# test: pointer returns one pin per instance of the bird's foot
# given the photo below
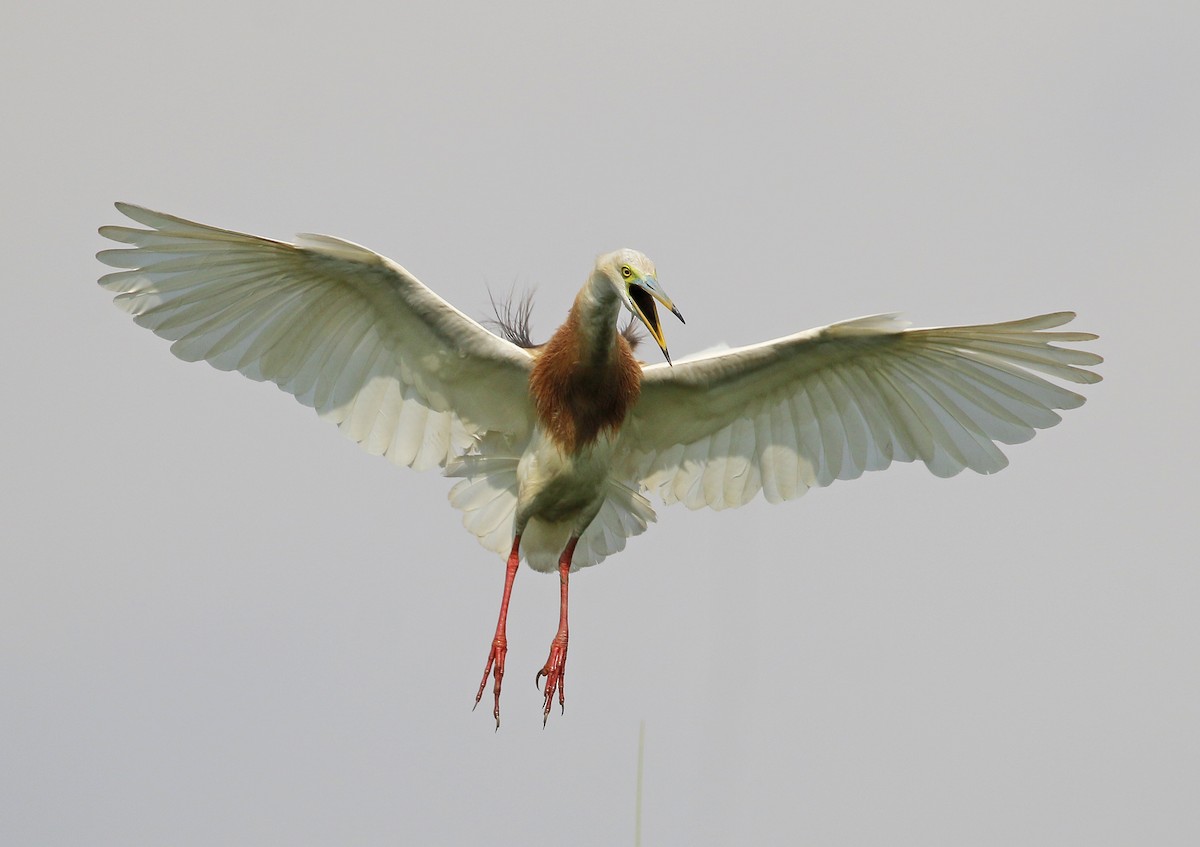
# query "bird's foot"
(495, 667)
(554, 670)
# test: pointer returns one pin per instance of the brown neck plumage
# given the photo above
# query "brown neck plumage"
(582, 387)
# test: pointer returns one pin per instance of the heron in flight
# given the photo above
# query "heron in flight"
(555, 447)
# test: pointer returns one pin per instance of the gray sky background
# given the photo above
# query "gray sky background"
(223, 623)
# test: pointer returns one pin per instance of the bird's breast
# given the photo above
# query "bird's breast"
(579, 395)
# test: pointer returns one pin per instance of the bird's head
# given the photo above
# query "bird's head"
(633, 277)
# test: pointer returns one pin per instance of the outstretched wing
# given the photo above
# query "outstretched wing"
(347, 331)
(833, 402)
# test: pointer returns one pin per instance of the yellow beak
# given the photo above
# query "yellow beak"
(642, 294)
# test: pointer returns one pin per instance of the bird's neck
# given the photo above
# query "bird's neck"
(586, 378)
(594, 316)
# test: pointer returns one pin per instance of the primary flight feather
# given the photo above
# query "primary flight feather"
(555, 445)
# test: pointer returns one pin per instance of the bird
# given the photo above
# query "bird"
(556, 448)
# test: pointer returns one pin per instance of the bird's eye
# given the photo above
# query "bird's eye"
(626, 272)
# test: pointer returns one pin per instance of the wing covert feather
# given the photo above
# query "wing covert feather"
(344, 329)
(833, 402)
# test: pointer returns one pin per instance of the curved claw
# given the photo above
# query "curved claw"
(555, 671)
(494, 667)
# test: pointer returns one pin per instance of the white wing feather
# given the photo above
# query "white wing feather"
(347, 331)
(830, 403)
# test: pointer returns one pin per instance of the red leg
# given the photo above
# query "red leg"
(495, 660)
(556, 665)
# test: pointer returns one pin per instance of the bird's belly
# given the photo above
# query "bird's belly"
(558, 487)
